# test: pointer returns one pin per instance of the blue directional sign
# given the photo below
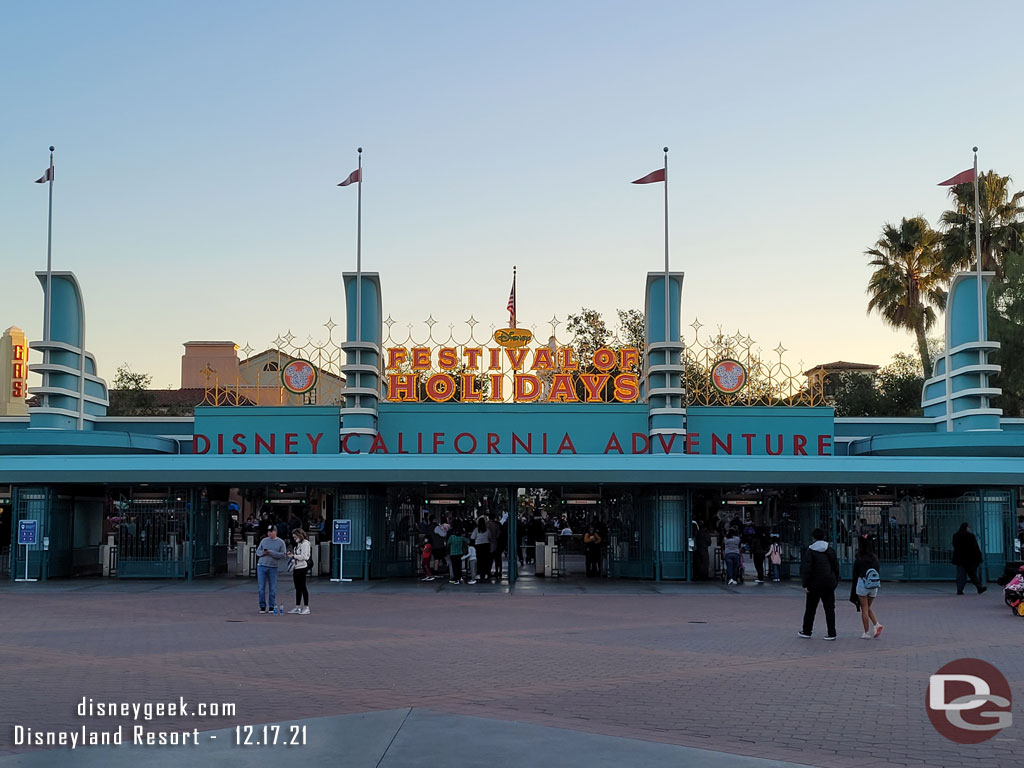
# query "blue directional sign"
(28, 531)
(342, 531)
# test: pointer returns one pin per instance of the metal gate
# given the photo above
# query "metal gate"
(198, 551)
(51, 557)
(393, 532)
(153, 536)
(672, 545)
(359, 508)
(913, 536)
(631, 536)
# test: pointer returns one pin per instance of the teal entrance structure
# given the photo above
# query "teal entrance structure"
(652, 444)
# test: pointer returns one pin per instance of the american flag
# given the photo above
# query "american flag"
(512, 302)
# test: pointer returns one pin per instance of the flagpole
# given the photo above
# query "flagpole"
(668, 323)
(359, 255)
(514, 313)
(49, 267)
(977, 248)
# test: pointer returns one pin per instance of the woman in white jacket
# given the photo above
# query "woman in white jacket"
(302, 558)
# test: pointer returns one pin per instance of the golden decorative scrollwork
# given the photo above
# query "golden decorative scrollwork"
(770, 381)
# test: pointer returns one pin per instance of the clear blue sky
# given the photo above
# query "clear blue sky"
(198, 145)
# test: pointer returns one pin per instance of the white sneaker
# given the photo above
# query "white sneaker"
(867, 636)
(471, 581)
(305, 611)
(731, 582)
(759, 581)
(296, 609)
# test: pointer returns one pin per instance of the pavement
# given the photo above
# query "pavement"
(570, 673)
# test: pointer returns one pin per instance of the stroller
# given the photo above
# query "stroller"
(1013, 593)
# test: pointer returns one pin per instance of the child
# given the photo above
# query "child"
(469, 561)
(427, 554)
(775, 558)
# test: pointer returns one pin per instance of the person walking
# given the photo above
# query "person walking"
(775, 558)
(271, 551)
(592, 550)
(457, 544)
(819, 572)
(864, 589)
(302, 557)
(731, 553)
(494, 535)
(966, 557)
(482, 542)
(426, 549)
(757, 549)
(469, 563)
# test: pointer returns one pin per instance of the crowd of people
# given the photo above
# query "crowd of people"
(473, 548)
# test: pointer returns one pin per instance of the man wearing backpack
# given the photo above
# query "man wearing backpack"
(819, 572)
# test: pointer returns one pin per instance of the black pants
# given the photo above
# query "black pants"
(456, 561)
(593, 561)
(827, 597)
(758, 558)
(496, 560)
(963, 574)
(301, 593)
(483, 560)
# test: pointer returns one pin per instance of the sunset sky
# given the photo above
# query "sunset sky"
(199, 145)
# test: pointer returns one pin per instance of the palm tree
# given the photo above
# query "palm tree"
(1002, 224)
(906, 286)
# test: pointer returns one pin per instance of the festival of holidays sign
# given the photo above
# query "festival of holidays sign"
(540, 374)
(248, 430)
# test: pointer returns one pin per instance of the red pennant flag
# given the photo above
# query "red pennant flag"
(650, 178)
(964, 177)
(353, 177)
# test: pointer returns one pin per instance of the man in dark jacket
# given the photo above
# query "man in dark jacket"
(819, 572)
(966, 557)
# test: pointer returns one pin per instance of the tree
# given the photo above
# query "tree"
(894, 390)
(900, 384)
(1006, 325)
(590, 333)
(906, 286)
(130, 395)
(1002, 225)
(854, 394)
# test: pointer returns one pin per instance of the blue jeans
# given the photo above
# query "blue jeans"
(775, 571)
(266, 576)
(732, 566)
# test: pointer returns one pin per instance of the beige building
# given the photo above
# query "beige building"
(214, 367)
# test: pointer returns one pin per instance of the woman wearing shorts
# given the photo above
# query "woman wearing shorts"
(866, 560)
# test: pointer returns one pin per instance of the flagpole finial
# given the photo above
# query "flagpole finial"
(359, 150)
(666, 149)
(975, 149)
(51, 149)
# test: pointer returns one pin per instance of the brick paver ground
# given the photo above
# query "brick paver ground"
(705, 667)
